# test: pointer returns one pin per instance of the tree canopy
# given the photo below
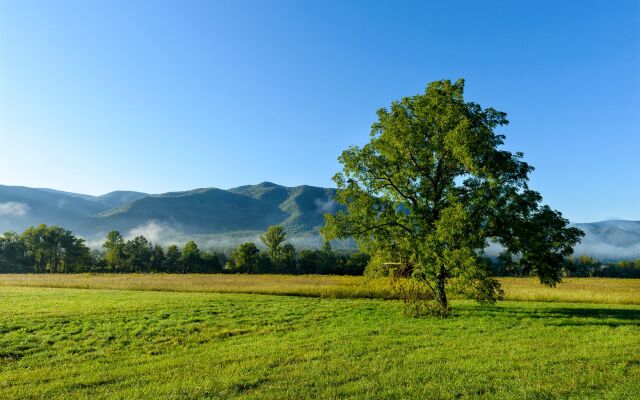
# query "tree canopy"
(273, 238)
(432, 189)
(246, 258)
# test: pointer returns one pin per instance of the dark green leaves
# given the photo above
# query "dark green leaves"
(432, 187)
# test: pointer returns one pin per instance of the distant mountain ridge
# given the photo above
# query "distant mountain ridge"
(612, 239)
(239, 213)
(200, 211)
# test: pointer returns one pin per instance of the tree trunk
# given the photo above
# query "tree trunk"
(441, 292)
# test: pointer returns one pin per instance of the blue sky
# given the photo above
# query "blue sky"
(160, 96)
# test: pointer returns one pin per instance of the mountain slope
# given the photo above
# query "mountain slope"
(21, 207)
(304, 205)
(239, 213)
(196, 211)
(201, 211)
(119, 198)
(610, 239)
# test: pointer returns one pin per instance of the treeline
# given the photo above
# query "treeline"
(579, 267)
(43, 249)
(585, 266)
(582, 266)
(52, 249)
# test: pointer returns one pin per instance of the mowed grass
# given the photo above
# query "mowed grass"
(584, 290)
(58, 343)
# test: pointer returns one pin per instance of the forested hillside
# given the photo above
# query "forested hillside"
(223, 218)
(201, 211)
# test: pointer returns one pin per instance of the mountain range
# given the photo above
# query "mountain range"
(219, 218)
(212, 215)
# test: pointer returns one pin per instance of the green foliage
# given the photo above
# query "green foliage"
(157, 259)
(273, 238)
(318, 261)
(114, 250)
(56, 250)
(356, 263)
(212, 262)
(432, 187)
(137, 254)
(287, 261)
(283, 257)
(52, 249)
(588, 266)
(621, 269)
(190, 258)
(13, 254)
(172, 259)
(582, 266)
(245, 259)
(379, 265)
(416, 295)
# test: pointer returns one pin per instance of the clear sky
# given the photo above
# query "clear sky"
(160, 96)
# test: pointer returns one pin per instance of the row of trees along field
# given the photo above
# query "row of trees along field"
(52, 249)
(585, 266)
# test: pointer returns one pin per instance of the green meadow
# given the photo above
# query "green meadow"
(68, 343)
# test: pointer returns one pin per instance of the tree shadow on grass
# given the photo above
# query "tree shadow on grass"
(562, 316)
(612, 317)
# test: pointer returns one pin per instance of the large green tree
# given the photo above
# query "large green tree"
(190, 258)
(283, 256)
(273, 238)
(114, 251)
(246, 258)
(172, 259)
(157, 259)
(138, 252)
(287, 259)
(432, 189)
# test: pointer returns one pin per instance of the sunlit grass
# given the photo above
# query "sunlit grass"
(296, 285)
(92, 344)
(589, 290)
(575, 290)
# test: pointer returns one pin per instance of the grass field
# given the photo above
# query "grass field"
(583, 290)
(59, 343)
